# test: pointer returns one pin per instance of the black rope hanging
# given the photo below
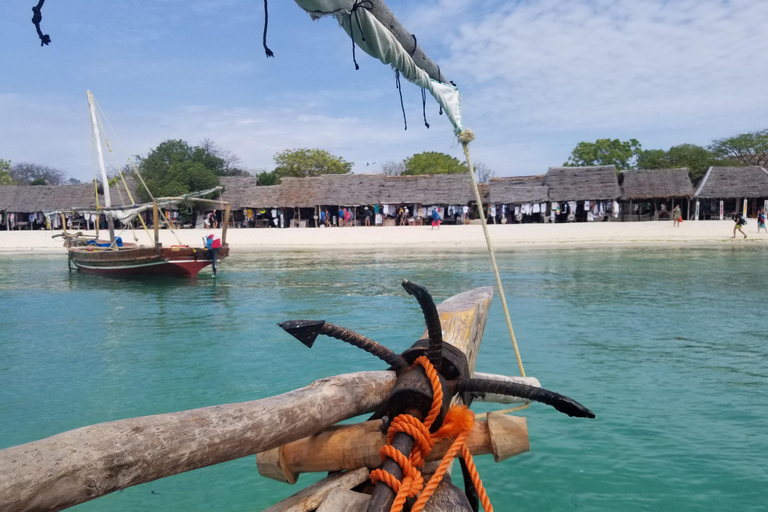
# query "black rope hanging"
(264, 38)
(400, 90)
(37, 17)
(367, 4)
(439, 76)
(423, 92)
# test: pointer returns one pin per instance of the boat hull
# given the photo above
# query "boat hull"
(180, 261)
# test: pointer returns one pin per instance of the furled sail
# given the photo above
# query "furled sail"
(376, 40)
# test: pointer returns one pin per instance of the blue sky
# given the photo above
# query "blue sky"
(536, 77)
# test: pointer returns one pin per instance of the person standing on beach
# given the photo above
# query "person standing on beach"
(677, 216)
(739, 220)
(348, 217)
(327, 219)
(435, 219)
(342, 216)
(761, 220)
(367, 216)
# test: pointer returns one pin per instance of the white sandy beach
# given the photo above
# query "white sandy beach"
(468, 237)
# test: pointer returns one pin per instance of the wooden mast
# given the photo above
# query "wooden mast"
(104, 180)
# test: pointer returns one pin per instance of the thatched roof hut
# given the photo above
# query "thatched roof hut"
(518, 190)
(655, 184)
(733, 183)
(298, 193)
(349, 189)
(449, 189)
(582, 183)
(238, 191)
(45, 198)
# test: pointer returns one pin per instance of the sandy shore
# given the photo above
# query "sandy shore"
(447, 237)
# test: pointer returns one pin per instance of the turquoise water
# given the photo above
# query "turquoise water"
(667, 346)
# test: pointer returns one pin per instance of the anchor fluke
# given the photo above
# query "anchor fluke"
(306, 331)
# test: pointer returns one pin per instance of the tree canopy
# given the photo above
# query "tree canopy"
(175, 168)
(622, 154)
(431, 162)
(5, 172)
(746, 149)
(302, 163)
(696, 158)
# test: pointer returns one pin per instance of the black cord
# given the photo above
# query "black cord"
(37, 17)
(264, 39)
(397, 84)
(424, 106)
(367, 4)
(439, 76)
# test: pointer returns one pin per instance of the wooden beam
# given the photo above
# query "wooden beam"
(386, 17)
(311, 497)
(80, 465)
(342, 500)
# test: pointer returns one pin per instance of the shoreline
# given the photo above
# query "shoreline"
(466, 237)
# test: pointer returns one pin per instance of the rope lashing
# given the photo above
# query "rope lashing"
(366, 4)
(264, 37)
(458, 424)
(465, 137)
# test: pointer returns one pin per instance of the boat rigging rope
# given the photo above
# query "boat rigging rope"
(465, 137)
(457, 424)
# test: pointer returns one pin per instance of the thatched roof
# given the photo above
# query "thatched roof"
(237, 190)
(518, 190)
(582, 183)
(450, 189)
(39, 198)
(349, 189)
(733, 183)
(655, 183)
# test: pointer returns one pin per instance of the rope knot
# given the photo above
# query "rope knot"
(466, 136)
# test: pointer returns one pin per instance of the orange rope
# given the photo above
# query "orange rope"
(458, 423)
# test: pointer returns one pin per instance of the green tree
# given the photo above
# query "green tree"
(745, 149)
(267, 178)
(301, 163)
(696, 158)
(38, 181)
(431, 162)
(622, 154)
(5, 172)
(175, 168)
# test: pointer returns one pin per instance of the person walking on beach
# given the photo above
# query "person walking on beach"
(677, 216)
(740, 221)
(348, 217)
(342, 216)
(400, 216)
(761, 221)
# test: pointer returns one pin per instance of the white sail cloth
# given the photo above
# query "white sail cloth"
(377, 41)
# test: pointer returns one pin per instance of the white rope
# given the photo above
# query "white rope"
(465, 137)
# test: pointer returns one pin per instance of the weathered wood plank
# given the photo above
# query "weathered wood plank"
(82, 464)
(311, 497)
(341, 500)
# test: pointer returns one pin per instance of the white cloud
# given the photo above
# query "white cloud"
(685, 70)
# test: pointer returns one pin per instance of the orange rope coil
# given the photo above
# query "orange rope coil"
(457, 424)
